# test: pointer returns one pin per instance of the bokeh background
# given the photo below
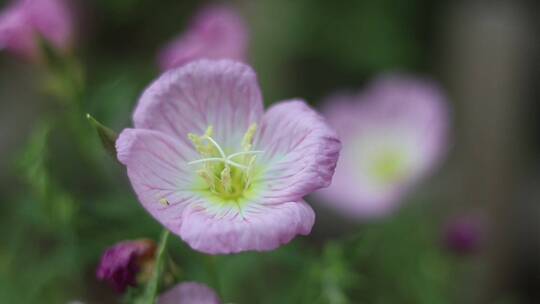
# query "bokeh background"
(63, 200)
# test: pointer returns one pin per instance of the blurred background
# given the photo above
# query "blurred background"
(63, 200)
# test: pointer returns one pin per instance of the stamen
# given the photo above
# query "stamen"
(247, 176)
(226, 179)
(247, 141)
(228, 176)
(197, 141)
(209, 131)
(209, 178)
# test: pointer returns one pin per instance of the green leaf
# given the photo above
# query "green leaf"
(106, 135)
(149, 296)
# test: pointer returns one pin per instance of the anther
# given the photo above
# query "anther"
(226, 179)
(228, 175)
(247, 141)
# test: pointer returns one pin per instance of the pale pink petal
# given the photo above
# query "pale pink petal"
(300, 151)
(260, 227)
(189, 293)
(217, 32)
(224, 94)
(158, 170)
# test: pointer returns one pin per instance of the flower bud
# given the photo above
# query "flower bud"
(463, 235)
(127, 263)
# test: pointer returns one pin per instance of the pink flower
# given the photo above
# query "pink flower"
(217, 32)
(121, 264)
(394, 134)
(23, 21)
(209, 166)
(189, 293)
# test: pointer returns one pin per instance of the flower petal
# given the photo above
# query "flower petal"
(224, 94)
(53, 20)
(21, 21)
(300, 151)
(217, 32)
(158, 170)
(261, 228)
(16, 31)
(189, 293)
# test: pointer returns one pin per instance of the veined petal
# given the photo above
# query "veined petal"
(260, 227)
(301, 151)
(157, 168)
(189, 293)
(224, 94)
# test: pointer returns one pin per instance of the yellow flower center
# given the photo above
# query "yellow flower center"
(227, 177)
(389, 167)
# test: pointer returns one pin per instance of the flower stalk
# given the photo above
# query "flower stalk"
(150, 292)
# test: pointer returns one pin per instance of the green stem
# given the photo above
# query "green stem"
(212, 269)
(150, 292)
(334, 274)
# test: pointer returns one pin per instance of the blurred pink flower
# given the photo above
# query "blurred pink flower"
(393, 135)
(189, 293)
(214, 169)
(24, 21)
(217, 32)
(121, 263)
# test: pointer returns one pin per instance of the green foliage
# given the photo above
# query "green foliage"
(400, 261)
(56, 205)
